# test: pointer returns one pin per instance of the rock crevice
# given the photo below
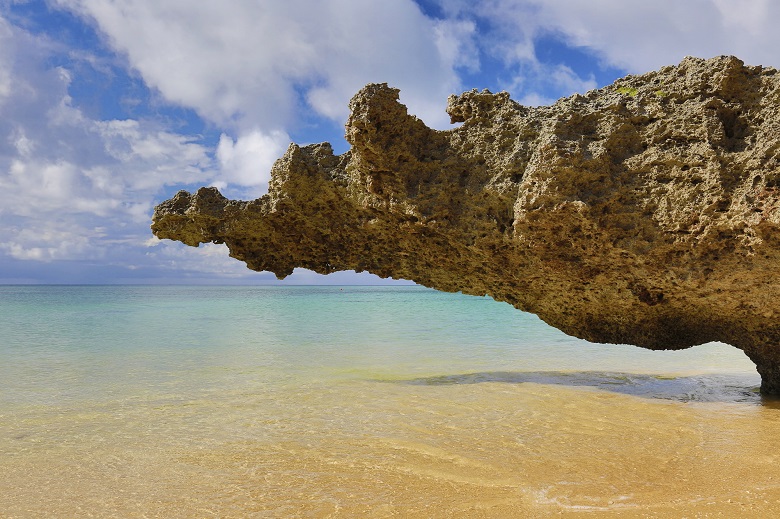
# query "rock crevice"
(645, 212)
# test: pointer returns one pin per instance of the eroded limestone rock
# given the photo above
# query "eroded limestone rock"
(646, 212)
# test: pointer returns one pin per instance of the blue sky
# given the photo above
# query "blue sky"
(108, 107)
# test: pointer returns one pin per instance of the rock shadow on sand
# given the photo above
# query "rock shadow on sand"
(723, 388)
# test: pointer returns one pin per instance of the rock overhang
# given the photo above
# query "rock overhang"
(645, 212)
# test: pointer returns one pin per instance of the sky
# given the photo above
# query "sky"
(109, 107)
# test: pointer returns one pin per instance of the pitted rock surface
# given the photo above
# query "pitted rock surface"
(646, 212)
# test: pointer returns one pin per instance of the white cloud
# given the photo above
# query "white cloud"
(23, 145)
(640, 36)
(149, 157)
(747, 14)
(77, 165)
(76, 186)
(208, 258)
(247, 160)
(632, 36)
(248, 65)
(52, 242)
(539, 84)
(6, 56)
(72, 187)
(455, 40)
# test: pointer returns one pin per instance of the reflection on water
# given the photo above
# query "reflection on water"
(315, 402)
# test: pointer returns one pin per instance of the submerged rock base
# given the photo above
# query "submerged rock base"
(646, 212)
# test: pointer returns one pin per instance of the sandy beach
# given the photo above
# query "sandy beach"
(238, 424)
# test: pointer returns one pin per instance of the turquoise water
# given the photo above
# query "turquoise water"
(63, 344)
(176, 401)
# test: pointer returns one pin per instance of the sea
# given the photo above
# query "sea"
(361, 401)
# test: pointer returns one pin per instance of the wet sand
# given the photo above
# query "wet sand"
(500, 445)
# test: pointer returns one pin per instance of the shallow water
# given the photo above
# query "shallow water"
(361, 402)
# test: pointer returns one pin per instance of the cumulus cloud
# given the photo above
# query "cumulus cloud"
(77, 184)
(455, 40)
(633, 36)
(73, 187)
(209, 258)
(151, 157)
(79, 189)
(539, 84)
(249, 65)
(247, 160)
(54, 241)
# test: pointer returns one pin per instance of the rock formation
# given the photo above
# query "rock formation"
(646, 212)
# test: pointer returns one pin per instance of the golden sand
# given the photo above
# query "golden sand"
(383, 449)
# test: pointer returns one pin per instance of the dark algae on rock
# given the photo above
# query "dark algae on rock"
(646, 212)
